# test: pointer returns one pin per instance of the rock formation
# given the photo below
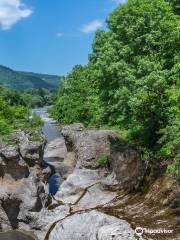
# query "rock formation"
(22, 180)
(90, 187)
(95, 199)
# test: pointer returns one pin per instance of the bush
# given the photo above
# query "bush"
(14, 115)
(35, 122)
(4, 127)
(175, 168)
(104, 160)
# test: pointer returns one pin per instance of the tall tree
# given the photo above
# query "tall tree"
(131, 79)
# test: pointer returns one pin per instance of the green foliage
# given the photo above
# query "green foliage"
(170, 139)
(14, 114)
(175, 168)
(38, 97)
(35, 122)
(32, 98)
(35, 137)
(4, 127)
(175, 5)
(132, 79)
(104, 160)
(77, 101)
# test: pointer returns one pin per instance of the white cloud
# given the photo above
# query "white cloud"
(12, 11)
(60, 34)
(92, 26)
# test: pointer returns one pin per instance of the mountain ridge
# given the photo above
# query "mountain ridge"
(27, 80)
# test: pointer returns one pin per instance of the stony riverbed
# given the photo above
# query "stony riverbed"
(61, 192)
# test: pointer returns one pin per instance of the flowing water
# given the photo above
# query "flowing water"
(51, 132)
(50, 128)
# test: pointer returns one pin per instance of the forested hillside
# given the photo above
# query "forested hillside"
(25, 80)
(53, 80)
(132, 80)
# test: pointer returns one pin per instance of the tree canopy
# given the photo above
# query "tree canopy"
(132, 80)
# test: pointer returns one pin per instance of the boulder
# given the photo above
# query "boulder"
(12, 166)
(89, 145)
(127, 166)
(92, 225)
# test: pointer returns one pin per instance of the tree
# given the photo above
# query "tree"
(131, 79)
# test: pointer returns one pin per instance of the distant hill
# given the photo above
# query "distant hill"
(27, 80)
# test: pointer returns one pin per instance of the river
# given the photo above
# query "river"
(50, 128)
(51, 132)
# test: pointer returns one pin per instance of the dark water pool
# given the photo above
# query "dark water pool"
(54, 184)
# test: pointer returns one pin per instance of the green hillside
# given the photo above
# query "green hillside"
(25, 80)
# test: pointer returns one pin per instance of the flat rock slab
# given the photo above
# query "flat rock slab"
(72, 189)
(92, 225)
(56, 149)
(45, 218)
(95, 196)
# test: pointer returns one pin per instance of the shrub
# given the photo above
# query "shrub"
(4, 127)
(104, 160)
(175, 168)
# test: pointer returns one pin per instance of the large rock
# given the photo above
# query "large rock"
(91, 186)
(12, 166)
(127, 165)
(55, 149)
(92, 225)
(22, 190)
(89, 145)
(45, 218)
(31, 151)
(59, 158)
(72, 189)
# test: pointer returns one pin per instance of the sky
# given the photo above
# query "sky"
(50, 36)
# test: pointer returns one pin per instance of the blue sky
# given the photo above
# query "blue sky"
(49, 36)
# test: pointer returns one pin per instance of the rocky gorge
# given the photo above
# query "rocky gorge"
(22, 192)
(84, 185)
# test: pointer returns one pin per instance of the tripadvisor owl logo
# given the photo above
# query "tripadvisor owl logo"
(139, 231)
